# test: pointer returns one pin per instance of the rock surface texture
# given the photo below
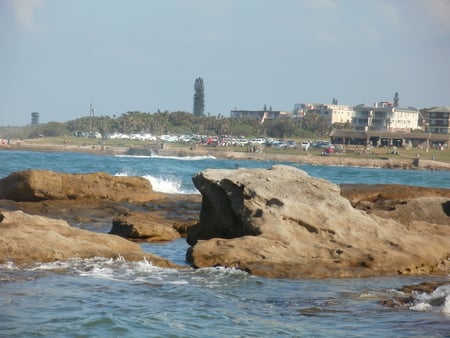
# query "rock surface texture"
(283, 223)
(34, 203)
(30, 238)
(144, 227)
(39, 185)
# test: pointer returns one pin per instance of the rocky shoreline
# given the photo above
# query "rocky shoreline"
(278, 223)
(301, 157)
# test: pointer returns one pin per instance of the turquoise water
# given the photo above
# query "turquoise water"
(114, 298)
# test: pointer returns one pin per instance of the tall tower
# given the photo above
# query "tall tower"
(91, 118)
(396, 99)
(34, 118)
(199, 97)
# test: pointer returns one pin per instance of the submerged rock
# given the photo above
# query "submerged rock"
(144, 227)
(39, 185)
(28, 238)
(283, 223)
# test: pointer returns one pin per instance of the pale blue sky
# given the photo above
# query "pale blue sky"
(58, 56)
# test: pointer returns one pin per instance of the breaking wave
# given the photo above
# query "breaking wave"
(167, 184)
(436, 301)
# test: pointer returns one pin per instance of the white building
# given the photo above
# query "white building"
(383, 116)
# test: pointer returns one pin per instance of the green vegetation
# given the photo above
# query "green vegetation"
(95, 131)
(161, 123)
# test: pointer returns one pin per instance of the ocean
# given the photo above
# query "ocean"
(101, 297)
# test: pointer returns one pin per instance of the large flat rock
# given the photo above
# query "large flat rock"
(39, 185)
(284, 223)
(28, 239)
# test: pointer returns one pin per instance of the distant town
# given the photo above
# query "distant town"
(381, 124)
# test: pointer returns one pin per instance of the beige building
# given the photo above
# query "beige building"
(333, 113)
(384, 117)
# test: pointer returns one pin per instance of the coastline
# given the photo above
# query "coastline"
(170, 150)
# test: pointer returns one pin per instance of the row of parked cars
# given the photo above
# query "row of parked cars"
(223, 140)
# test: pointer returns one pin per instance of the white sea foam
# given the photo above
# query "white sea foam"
(117, 269)
(186, 158)
(446, 306)
(179, 158)
(169, 184)
(437, 301)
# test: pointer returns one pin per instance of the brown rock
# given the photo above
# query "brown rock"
(144, 227)
(405, 204)
(38, 185)
(284, 223)
(382, 192)
(28, 238)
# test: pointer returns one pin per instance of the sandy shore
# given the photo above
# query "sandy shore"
(303, 157)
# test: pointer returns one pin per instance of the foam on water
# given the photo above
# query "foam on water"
(166, 184)
(437, 301)
(143, 272)
(179, 158)
(170, 185)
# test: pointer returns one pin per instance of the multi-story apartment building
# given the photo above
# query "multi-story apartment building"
(384, 117)
(333, 113)
(439, 120)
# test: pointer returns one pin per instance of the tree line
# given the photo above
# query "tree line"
(178, 123)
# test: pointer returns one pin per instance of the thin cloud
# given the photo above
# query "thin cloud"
(25, 11)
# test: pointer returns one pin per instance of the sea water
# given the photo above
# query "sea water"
(101, 297)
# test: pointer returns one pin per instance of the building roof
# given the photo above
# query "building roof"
(442, 109)
(360, 134)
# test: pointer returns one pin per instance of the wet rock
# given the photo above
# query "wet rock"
(405, 204)
(31, 238)
(144, 227)
(39, 185)
(406, 295)
(283, 223)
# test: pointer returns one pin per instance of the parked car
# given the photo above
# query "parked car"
(305, 145)
(323, 144)
(257, 140)
(291, 144)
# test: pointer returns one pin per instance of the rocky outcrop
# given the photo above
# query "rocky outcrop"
(39, 185)
(30, 238)
(144, 227)
(283, 223)
(356, 193)
(405, 204)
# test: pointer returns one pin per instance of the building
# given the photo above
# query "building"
(385, 139)
(384, 117)
(439, 120)
(260, 115)
(333, 113)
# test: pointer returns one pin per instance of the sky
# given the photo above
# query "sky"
(59, 56)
